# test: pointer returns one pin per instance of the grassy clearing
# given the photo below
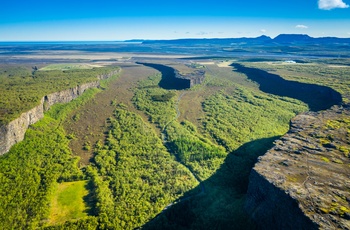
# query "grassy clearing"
(30, 170)
(68, 202)
(68, 66)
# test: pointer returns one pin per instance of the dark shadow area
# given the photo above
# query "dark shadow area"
(221, 204)
(90, 199)
(169, 80)
(315, 96)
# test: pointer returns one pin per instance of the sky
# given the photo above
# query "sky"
(115, 20)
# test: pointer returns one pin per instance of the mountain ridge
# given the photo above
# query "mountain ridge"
(263, 39)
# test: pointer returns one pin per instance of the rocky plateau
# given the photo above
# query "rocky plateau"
(303, 182)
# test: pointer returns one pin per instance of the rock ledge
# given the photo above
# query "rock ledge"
(303, 182)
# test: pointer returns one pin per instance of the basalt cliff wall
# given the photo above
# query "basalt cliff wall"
(14, 131)
(303, 182)
(195, 78)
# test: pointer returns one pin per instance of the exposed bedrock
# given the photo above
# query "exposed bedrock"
(14, 131)
(173, 79)
(272, 208)
(317, 97)
(303, 182)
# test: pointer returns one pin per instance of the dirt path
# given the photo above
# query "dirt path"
(90, 120)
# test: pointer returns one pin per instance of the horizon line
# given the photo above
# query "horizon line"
(160, 39)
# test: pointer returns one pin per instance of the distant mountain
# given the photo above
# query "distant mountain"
(135, 40)
(218, 41)
(304, 38)
(289, 38)
(283, 39)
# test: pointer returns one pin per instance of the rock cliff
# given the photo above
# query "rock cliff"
(196, 77)
(303, 182)
(14, 131)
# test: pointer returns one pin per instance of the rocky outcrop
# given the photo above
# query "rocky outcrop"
(303, 182)
(194, 78)
(68, 95)
(272, 208)
(14, 131)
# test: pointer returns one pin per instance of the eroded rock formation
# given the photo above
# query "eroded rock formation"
(14, 131)
(194, 78)
(303, 182)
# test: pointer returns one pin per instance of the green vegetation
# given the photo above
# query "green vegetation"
(68, 202)
(319, 74)
(198, 153)
(88, 223)
(198, 169)
(134, 178)
(163, 97)
(233, 119)
(67, 66)
(239, 118)
(325, 159)
(28, 174)
(30, 170)
(22, 89)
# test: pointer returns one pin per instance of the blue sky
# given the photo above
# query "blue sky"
(54, 20)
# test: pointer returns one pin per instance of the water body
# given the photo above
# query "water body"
(317, 97)
(169, 79)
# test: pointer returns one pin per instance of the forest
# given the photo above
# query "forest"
(157, 166)
(22, 87)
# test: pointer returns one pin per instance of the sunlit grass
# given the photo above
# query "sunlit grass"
(68, 66)
(68, 202)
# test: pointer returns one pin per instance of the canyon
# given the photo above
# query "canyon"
(14, 131)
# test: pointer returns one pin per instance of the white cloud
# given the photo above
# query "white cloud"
(203, 33)
(263, 31)
(331, 4)
(301, 27)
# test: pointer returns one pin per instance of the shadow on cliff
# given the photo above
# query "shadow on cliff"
(220, 204)
(169, 80)
(315, 96)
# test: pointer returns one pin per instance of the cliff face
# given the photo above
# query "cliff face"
(194, 78)
(68, 95)
(304, 181)
(272, 208)
(14, 131)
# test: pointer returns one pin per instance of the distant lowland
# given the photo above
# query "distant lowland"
(219, 133)
(294, 45)
(262, 40)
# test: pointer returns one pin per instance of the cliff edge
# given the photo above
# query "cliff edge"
(14, 131)
(303, 182)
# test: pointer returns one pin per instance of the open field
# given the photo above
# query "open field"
(78, 56)
(68, 202)
(69, 66)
